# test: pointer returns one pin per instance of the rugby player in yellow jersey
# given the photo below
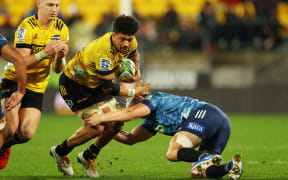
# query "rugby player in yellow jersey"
(87, 87)
(41, 39)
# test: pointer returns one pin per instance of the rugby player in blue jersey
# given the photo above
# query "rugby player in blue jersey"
(12, 56)
(192, 124)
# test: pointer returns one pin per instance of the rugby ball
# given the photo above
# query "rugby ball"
(126, 69)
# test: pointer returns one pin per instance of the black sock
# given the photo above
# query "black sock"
(188, 155)
(91, 152)
(218, 171)
(63, 149)
(12, 141)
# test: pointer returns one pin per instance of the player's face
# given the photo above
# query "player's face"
(122, 42)
(48, 8)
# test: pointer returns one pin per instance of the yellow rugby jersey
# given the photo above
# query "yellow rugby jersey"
(30, 34)
(98, 57)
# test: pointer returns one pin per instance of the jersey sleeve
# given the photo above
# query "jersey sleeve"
(104, 64)
(3, 42)
(23, 36)
(65, 35)
(151, 101)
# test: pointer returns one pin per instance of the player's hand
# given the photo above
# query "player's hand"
(14, 100)
(63, 52)
(136, 77)
(142, 91)
(54, 46)
(92, 120)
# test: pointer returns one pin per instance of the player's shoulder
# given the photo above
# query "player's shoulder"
(60, 25)
(29, 22)
(102, 44)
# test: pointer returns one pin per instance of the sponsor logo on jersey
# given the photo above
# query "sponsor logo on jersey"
(63, 90)
(105, 64)
(36, 36)
(196, 127)
(69, 103)
(21, 35)
(185, 113)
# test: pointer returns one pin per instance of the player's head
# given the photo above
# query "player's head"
(124, 30)
(48, 8)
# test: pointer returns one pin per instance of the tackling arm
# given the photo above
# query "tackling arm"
(138, 134)
(110, 87)
(122, 115)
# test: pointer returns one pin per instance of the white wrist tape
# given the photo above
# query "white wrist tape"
(131, 93)
(40, 55)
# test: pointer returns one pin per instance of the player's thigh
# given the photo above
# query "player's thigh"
(8, 87)
(29, 120)
(30, 113)
(78, 97)
(11, 119)
(184, 139)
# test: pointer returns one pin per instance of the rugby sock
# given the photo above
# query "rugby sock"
(188, 155)
(63, 149)
(10, 142)
(91, 152)
(218, 171)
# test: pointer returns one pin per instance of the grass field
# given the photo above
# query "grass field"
(262, 139)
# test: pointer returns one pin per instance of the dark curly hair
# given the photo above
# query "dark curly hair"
(127, 25)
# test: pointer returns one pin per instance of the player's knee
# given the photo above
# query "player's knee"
(171, 155)
(25, 136)
(113, 127)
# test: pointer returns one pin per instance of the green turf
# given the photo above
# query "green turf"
(262, 139)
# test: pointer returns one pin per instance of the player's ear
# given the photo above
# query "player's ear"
(113, 35)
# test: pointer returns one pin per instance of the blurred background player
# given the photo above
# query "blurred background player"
(14, 57)
(87, 87)
(41, 39)
(192, 124)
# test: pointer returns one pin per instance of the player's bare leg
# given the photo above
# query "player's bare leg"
(186, 141)
(9, 126)
(88, 157)
(11, 122)
(29, 120)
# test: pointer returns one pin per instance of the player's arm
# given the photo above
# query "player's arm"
(122, 115)
(136, 59)
(109, 87)
(14, 57)
(138, 134)
(59, 61)
(51, 49)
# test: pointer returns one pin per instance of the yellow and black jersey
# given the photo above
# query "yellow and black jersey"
(30, 34)
(98, 57)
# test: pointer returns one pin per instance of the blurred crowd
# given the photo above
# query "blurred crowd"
(208, 25)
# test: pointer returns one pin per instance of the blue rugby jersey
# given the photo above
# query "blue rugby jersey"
(168, 112)
(3, 42)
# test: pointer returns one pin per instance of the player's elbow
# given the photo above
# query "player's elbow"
(19, 61)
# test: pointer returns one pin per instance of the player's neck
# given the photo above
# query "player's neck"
(44, 22)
